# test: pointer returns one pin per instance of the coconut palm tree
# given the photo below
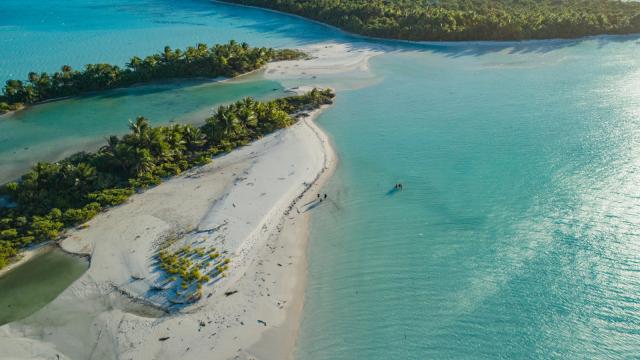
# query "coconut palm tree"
(194, 138)
(139, 127)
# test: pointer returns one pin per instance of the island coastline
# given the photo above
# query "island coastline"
(462, 43)
(286, 231)
(234, 339)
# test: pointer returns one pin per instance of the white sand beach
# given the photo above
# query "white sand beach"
(253, 205)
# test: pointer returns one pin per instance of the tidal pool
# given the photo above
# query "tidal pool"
(29, 287)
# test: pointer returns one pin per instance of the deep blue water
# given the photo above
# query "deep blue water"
(516, 233)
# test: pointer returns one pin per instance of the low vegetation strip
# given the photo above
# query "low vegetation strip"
(455, 20)
(187, 269)
(55, 196)
(226, 60)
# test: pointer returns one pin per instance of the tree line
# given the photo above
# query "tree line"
(455, 20)
(55, 196)
(226, 60)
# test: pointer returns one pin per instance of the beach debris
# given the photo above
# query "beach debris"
(164, 338)
(229, 293)
(262, 322)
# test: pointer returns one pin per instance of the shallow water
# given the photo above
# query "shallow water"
(51, 131)
(515, 235)
(29, 287)
(43, 35)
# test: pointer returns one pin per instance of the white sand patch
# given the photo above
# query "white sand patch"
(248, 204)
(340, 66)
(327, 58)
(103, 316)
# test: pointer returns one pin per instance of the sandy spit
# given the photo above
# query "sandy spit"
(257, 198)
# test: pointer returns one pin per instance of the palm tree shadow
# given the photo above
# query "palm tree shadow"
(480, 48)
(307, 32)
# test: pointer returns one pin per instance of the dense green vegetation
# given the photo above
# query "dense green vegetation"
(55, 196)
(226, 60)
(467, 19)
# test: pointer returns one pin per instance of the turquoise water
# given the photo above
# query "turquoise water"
(51, 131)
(36, 283)
(42, 35)
(516, 233)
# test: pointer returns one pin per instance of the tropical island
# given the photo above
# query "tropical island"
(200, 61)
(464, 20)
(53, 197)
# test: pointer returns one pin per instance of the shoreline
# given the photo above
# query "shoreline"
(269, 265)
(93, 144)
(204, 80)
(505, 43)
(281, 342)
(115, 261)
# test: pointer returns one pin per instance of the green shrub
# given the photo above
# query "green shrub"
(110, 197)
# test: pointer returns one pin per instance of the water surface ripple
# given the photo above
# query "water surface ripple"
(516, 235)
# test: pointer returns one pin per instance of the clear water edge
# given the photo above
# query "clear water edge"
(515, 234)
(50, 131)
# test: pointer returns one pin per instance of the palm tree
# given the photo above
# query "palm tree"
(143, 162)
(134, 63)
(85, 175)
(194, 138)
(139, 128)
(227, 119)
(247, 115)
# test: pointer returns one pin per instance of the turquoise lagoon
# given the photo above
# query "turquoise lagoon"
(516, 233)
(51, 131)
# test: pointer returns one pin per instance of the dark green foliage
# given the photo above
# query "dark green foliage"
(200, 61)
(467, 19)
(52, 197)
(311, 100)
(110, 197)
(289, 54)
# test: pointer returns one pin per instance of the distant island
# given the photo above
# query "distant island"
(201, 61)
(55, 196)
(460, 20)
